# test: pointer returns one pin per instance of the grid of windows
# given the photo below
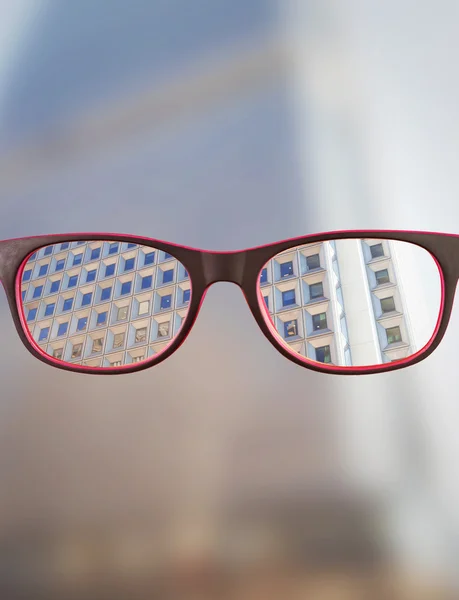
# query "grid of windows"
(104, 303)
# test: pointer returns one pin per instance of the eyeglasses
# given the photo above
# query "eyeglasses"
(347, 302)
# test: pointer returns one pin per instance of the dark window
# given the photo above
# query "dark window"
(95, 253)
(323, 354)
(313, 262)
(77, 259)
(319, 321)
(86, 299)
(82, 323)
(146, 282)
(23, 294)
(185, 274)
(44, 333)
(288, 298)
(264, 275)
(126, 287)
(266, 299)
(55, 286)
(166, 301)
(393, 335)
(91, 275)
(286, 269)
(32, 314)
(129, 264)
(43, 270)
(80, 243)
(67, 304)
(167, 255)
(48, 250)
(376, 250)
(186, 296)
(131, 245)
(60, 264)
(37, 291)
(109, 270)
(106, 293)
(149, 258)
(316, 290)
(290, 328)
(387, 304)
(33, 257)
(49, 310)
(26, 275)
(62, 329)
(168, 275)
(102, 318)
(73, 280)
(382, 276)
(113, 248)
(65, 245)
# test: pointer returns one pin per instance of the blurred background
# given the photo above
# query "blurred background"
(227, 471)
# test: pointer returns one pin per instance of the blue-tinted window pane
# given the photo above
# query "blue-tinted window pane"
(168, 276)
(55, 286)
(48, 250)
(290, 328)
(49, 310)
(81, 325)
(313, 262)
(91, 276)
(319, 321)
(37, 291)
(286, 269)
(129, 264)
(80, 243)
(77, 259)
(67, 304)
(86, 299)
(60, 264)
(288, 298)
(147, 282)
(167, 255)
(109, 270)
(23, 294)
(95, 254)
(32, 257)
(149, 258)
(43, 270)
(264, 275)
(102, 318)
(186, 296)
(62, 329)
(266, 299)
(186, 274)
(65, 245)
(106, 293)
(73, 280)
(166, 301)
(26, 275)
(113, 248)
(130, 245)
(323, 354)
(32, 314)
(126, 287)
(44, 333)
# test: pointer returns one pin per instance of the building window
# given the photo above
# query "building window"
(286, 269)
(149, 258)
(113, 248)
(49, 310)
(44, 333)
(32, 257)
(91, 276)
(82, 323)
(65, 245)
(118, 340)
(73, 280)
(48, 250)
(290, 328)
(382, 276)
(97, 344)
(43, 270)
(377, 251)
(319, 321)
(167, 255)
(168, 275)
(23, 295)
(264, 276)
(140, 335)
(166, 301)
(185, 274)
(95, 253)
(186, 296)
(131, 245)
(387, 304)
(60, 264)
(144, 307)
(129, 264)
(38, 291)
(393, 335)
(77, 350)
(67, 304)
(122, 313)
(77, 259)
(126, 287)
(266, 299)
(101, 318)
(55, 286)
(323, 354)
(80, 243)
(106, 293)
(86, 299)
(288, 298)
(26, 275)
(31, 314)
(316, 290)
(62, 329)
(163, 329)
(58, 353)
(313, 262)
(109, 270)
(146, 282)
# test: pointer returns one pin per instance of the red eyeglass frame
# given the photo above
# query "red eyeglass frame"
(242, 267)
